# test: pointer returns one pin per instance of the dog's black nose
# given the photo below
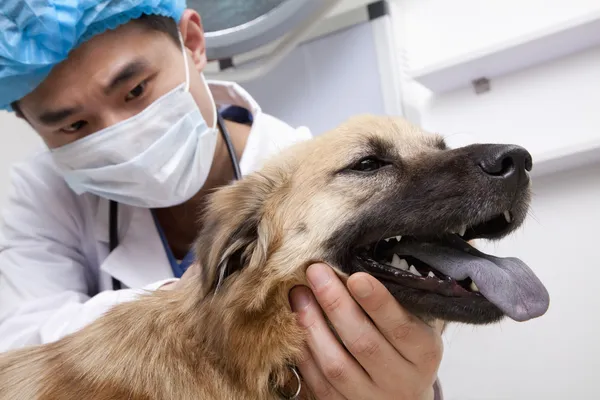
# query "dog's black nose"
(505, 161)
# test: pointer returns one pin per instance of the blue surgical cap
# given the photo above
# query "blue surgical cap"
(35, 35)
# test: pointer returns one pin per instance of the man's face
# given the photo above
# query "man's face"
(110, 78)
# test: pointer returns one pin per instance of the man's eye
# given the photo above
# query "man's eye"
(74, 127)
(136, 91)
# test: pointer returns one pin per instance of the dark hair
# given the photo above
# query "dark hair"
(153, 22)
(161, 24)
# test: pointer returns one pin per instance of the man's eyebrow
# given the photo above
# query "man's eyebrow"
(55, 116)
(130, 70)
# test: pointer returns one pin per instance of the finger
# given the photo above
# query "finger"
(335, 363)
(413, 338)
(315, 381)
(360, 336)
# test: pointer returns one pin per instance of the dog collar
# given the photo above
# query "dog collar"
(298, 389)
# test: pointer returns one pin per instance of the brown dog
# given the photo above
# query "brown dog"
(231, 334)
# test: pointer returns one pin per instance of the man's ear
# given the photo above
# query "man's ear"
(235, 234)
(192, 32)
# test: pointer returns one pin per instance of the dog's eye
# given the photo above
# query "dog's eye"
(369, 164)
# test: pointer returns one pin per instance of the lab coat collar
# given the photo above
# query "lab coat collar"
(231, 94)
(139, 259)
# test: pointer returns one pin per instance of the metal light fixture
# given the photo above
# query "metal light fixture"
(236, 27)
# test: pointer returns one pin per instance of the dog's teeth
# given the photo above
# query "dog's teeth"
(395, 261)
(474, 287)
(462, 230)
(399, 263)
(387, 240)
(414, 271)
(507, 216)
(403, 265)
(430, 275)
(398, 238)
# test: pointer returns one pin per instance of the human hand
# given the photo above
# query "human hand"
(396, 356)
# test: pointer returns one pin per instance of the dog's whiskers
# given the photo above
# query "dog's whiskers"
(383, 236)
(532, 215)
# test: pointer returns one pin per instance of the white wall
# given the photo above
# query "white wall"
(17, 140)
(325, 81)
(557, 356)
(438, 30)
(540, 99)
(541, 109)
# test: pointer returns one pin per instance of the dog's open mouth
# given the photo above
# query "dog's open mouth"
(447, 265)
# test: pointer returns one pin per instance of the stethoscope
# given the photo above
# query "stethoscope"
(113, 213)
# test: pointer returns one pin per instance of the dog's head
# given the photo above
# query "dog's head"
(381, 196)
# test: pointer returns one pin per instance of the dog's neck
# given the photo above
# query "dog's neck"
(252, 342)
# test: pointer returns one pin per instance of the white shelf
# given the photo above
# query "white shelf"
(527, 51)
(566, 158)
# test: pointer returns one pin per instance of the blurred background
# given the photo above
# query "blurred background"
(512, 71)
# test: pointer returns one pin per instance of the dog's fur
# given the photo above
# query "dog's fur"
(230, 334)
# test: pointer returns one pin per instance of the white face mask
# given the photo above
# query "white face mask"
(158, 158)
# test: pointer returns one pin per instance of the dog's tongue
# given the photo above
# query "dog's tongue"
(506, 282)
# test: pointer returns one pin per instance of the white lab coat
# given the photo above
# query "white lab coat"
(55, 266)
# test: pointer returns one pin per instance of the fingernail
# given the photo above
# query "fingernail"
(317, 275)
(299, 299)
(362, 288)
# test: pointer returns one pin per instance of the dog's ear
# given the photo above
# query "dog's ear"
(234, 233)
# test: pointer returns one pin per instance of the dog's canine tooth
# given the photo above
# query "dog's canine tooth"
(462, 230)
(414, 271)
(403, 265)
(430, 275)
(474, 287)
(398, 238)
(395, 261)
(507, 216)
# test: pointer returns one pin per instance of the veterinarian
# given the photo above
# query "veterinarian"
(136, 137)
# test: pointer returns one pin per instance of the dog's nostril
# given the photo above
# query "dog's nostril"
(503, 161)
(504, 167)
(528, 162)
